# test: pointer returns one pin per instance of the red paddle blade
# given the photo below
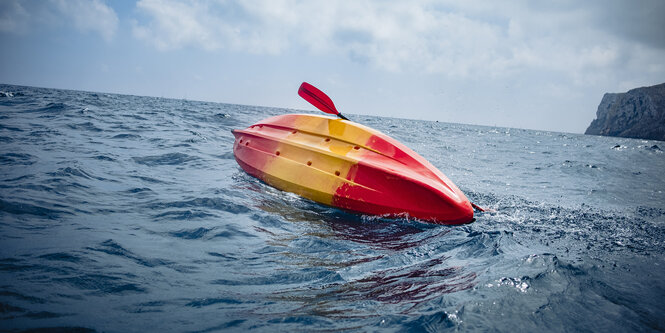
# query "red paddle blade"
(317, 98)
(478, 207)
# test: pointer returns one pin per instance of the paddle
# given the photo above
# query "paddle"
(317, 98)
(478, 207)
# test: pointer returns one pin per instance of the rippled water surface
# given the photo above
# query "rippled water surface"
(126, 213)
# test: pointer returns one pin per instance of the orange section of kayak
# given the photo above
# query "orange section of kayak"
(347, 165)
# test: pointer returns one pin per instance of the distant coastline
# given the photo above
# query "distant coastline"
(638, 113)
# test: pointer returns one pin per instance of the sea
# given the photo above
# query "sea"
(123, 213)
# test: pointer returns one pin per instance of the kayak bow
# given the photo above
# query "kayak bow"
(350, 166)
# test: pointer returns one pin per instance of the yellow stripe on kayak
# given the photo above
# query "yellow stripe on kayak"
(314, 157)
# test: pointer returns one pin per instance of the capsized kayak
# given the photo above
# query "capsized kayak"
(350, 166)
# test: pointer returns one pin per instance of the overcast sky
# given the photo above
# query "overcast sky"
(526, 64)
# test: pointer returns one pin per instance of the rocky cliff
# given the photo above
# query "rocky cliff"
(638, 113)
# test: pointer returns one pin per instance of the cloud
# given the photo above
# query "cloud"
(392, 36)
(89, 15)
(455, 39)
(213, 25)
(85, 15)
(640, 21)
(176, 24)
(13, 17)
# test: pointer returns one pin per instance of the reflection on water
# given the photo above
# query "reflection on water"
(406, 286)
(372, 245)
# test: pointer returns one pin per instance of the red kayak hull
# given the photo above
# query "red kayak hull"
(350, 166)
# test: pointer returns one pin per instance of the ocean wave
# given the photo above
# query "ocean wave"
(180, 215)
(198, 303)
(126, 136)
(52, 108)
(149, 179)
(134, 116)
(104, 158)
(138, 201)
(10, 128)
(74, 172)
(139, 190)
(61, 256)
(308, 275)
(45, 133)
(21, 208)
(21, 297)
(225, 156)
(191, 234)
(102, 284)
(16, 159)
(10, 94)
(85, 126)
(164, 159)
(209, 203)
(112, 248)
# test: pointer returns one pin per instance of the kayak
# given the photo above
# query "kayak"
(346, 165)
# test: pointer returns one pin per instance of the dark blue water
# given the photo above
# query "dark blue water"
(126, 213)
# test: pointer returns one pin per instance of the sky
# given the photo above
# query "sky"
(541, 65)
